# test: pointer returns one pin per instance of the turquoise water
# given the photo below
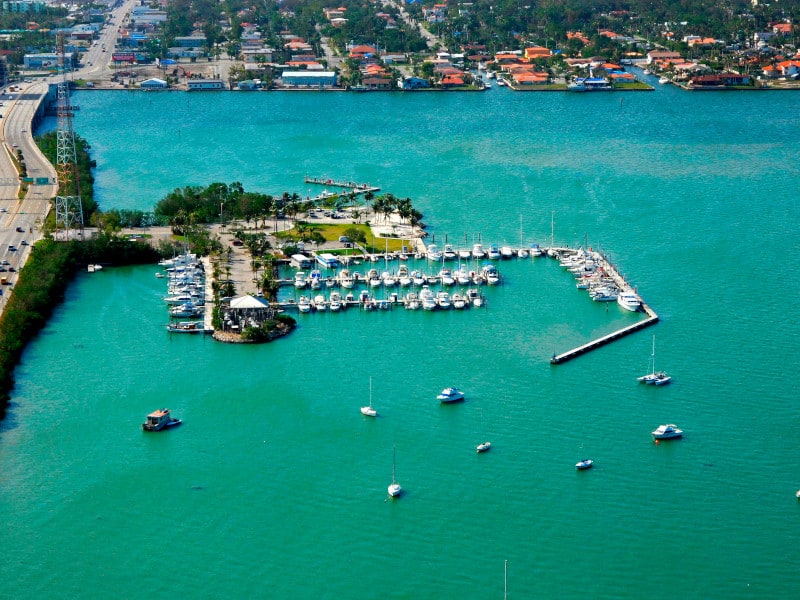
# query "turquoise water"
(275, 486)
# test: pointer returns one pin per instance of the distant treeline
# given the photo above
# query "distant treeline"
(41, 286)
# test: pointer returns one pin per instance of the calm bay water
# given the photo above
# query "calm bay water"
(275, 486)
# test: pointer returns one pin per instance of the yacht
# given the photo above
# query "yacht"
(459, 301)
(443, 300)
(483, 447)
(346, 279)
(186, 310)
(462, 276)
(464, 254)
(584, 464)
(417, 278)
(667, 432)
(304, 304)
(389, 280)
(315, 279)
(450, 394)
(506, 252)
(160, 419)
(446, 276)
(449, 253)
(654, 377)
(427, 298)
(412, 301)
(523, 253)
(335, 303)
(536, 250)
(319, 302)
(663, 79)
(474, 296)
(629, 301)
(434, 254)
(490, 273)
(478, 251)
(494, 252)
(300, 280)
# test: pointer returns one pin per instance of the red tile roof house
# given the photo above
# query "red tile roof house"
(377, 83)
(362, 51)
(451, 81)
(536, 52)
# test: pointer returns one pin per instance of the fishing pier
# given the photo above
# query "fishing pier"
(351, 186)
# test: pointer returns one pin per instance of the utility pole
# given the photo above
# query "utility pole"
(69, 211)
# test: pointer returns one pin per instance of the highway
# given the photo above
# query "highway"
(21, 218)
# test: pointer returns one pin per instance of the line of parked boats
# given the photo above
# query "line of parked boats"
(403, 277)
(186, 296)
(590, 274)
(425, 299)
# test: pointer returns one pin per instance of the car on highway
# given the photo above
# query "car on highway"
(4, 262)
(20, 230)
(23, 243)
(12, 248)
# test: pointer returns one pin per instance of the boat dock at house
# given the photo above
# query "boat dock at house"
(652, 318)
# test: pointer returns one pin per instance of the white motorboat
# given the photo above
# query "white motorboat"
(434, 254)
(494, 252)
(450, 394)
(319, 303)
(335, 302)
(629, 301)
(586, 463)
(300, 280)
(449, 253)
(446, 277)
(186, 310)
(315, 279)
(478, 251)
(474, 296)
(417, 278)
(368, 411)
(459, 301)
(427, 298)
(506, 252)
(394, 488)
(412, 301)
(346, 280)
(304, 304)
(483, 447)
(490, 274)
(663, 79)
(667, 432)
(443, 300)
(462, 276)
(523, 253)
(654, 377)
(464, 254)
(536, 250)
(389, 280)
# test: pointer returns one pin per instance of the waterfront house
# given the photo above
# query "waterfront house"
(656, 55)
(452, 81)
(377, 83)
(413, 83)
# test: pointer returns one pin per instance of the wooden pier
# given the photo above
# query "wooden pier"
(652, 319)
(352, 186)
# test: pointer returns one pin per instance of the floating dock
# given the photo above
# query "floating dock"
(652, 319)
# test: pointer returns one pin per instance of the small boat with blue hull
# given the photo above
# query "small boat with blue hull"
(586, 463)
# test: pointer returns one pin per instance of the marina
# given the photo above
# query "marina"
(692, 198)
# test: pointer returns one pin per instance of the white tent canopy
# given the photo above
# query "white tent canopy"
(246, 302)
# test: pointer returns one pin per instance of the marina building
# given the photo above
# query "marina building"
(309, 79)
